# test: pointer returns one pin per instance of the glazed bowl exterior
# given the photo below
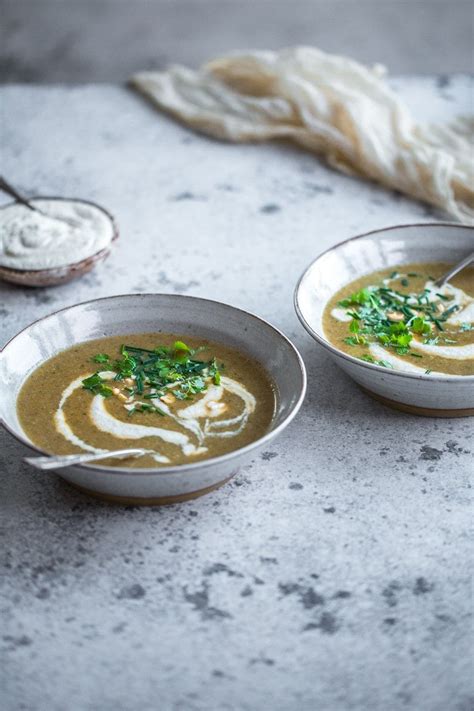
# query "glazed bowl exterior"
(425, 394)
(145, 313)
(54, 276)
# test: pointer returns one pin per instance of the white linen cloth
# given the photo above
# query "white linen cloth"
(332, 106)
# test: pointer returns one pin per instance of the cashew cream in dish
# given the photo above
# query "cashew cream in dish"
(31, 240)
(397, 318)
(182, 401)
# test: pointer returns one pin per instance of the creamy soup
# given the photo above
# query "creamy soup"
(397, 318)
(184, 401)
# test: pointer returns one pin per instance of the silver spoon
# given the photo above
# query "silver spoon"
(69, 460)
(454, 270)
(10, 190)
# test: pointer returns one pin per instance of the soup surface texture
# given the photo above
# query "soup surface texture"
(183, 401)
(397, 318)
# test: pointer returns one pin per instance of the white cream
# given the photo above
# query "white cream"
(458, 296)
(201, 408)
(241, 420)
(32, 240)
(444, 351)
(465, 315)
(61, 423)
(207, 408)
(341, 315)
(234, 387)
(105, 422)
(397, 363)
(107, 374)
(63, 427)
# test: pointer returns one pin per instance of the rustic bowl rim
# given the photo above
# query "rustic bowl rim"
(429, 378)
(71, 265)
(179, 468)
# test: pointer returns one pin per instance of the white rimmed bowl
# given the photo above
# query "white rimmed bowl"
(144, 313)
(432, 395)
(54, 276)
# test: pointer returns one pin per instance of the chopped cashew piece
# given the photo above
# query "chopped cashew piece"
(168, 399)
(395, 316)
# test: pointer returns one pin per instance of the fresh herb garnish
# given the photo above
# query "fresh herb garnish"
(95, 384)
(151, 374)
(419, 325)
(381, 314)
(369, 359)
(101, 358)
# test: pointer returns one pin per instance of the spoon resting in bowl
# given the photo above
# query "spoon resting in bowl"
(455, 270)
(69, 460)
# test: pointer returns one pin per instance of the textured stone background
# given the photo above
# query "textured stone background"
(333, 573)
(107, 40)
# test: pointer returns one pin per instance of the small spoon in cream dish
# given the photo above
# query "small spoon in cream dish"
(70, 460)
(455, 270)
(13, 192)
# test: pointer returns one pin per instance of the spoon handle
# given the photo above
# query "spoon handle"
(455, 270)
(70, 460)
(10, 190)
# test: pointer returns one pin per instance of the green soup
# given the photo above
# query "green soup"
(398, 319)
(183, 401)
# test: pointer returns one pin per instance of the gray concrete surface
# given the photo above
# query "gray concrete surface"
(333, 573)
(108, 40)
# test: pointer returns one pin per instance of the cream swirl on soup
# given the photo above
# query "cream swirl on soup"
(179, 401)
(198, 420)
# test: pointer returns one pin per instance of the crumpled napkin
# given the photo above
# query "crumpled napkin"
(332, 106)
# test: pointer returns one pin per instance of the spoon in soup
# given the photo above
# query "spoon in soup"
(69, 460)
(454, 270)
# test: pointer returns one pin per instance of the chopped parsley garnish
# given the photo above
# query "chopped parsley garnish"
(96, 385)
(101, 358)
(151, 374)
(371, 359)
(419, 325)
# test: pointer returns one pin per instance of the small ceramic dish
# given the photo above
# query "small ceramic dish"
(432, 395)
(145, 313)
(60, 275)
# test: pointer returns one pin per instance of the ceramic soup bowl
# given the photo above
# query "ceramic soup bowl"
(424, 394)
(153, 313)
